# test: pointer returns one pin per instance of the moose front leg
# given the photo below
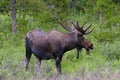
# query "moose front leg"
(58, 65)
(38, 63)
(78, 51)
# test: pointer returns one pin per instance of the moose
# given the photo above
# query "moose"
(53, 44)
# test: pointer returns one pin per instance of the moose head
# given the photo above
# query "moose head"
(79, 32)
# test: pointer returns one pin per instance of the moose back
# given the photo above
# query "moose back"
(54, 44)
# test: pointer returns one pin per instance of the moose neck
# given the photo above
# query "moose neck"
(70, 41)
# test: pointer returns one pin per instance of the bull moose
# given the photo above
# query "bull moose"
(53, 44)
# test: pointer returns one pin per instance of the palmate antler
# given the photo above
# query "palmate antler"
(81, 29)
(65, 26)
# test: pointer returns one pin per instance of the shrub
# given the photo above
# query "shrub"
(112, 51)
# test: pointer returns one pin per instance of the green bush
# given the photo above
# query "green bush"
(112, 51)
(4, 6)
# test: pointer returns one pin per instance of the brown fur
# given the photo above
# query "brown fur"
(53, 45)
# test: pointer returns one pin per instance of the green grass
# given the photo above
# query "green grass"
(12, 59)
(99, 64)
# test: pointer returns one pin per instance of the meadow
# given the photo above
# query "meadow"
(102, 64)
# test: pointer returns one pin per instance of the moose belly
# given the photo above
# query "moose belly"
(42, 55)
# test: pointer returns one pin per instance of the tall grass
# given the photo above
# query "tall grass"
(101, 64)
(12, 68)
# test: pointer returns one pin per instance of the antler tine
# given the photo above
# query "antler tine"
(83, 24)
(77, 23)
(65, 26)
(89, 32)
(73, 23)
(76, 26)
(88, 27)
(82, 30)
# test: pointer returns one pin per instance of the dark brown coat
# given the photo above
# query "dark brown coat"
(54, 44)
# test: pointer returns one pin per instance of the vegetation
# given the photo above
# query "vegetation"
(102, 63)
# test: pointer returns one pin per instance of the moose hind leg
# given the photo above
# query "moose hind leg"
(28, 55)
(27, 60)
(38, 64)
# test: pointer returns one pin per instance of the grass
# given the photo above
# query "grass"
(96, 66)
(87, 67)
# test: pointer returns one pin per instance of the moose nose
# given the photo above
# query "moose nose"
(91, 46)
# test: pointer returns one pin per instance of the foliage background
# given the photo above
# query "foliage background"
(104, 60)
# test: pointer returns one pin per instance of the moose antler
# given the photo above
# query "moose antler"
(88, 28)
(65, 26)
(81, 29)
